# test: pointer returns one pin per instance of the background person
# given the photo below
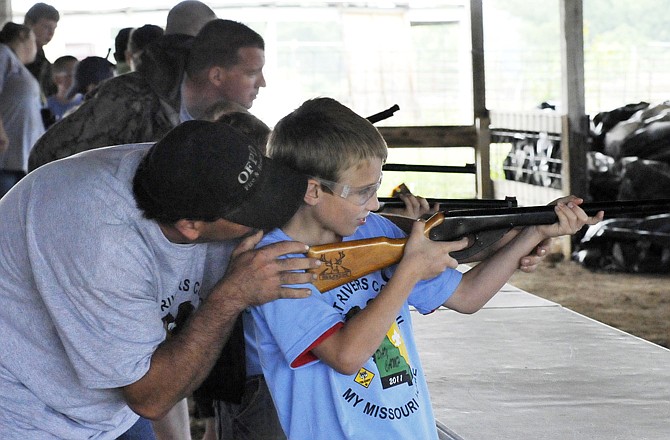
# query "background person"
(20, 103)
(122, 64)
(139, 39)
(63, 72)
(43, 20)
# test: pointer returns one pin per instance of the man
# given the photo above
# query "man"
(174, 84)
(188, 17)
(123, 272)
(43, 20)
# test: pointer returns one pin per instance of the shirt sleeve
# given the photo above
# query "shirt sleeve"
(428, 295)
(296, 325)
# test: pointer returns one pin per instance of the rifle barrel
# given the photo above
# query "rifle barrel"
(383, 114)
(450, 204)
(459, 223)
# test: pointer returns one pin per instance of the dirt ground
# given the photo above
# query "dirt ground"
(638, 304)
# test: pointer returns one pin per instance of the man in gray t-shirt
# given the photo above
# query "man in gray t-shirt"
(105, 254)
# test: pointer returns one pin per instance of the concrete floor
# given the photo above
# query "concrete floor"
(527, 368)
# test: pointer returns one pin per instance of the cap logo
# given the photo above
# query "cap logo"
(251, 170)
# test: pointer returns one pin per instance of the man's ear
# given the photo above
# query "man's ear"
(313, 192)
(189, 229)
(216, 75)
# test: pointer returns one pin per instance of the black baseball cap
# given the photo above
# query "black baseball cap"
(210, 170)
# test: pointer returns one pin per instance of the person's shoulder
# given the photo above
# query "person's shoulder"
(8, 58)
(95, 159)
(5, 50)
(273, 236)
(128, 83)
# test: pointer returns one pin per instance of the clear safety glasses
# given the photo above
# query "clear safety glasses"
(358, 195)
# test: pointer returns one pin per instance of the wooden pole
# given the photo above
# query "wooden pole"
(5, 11)
(481, 114)
(576, 123)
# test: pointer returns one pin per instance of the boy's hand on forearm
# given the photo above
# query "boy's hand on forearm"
(427, 258)
(571, 218)
(257, 276)
(530, 262)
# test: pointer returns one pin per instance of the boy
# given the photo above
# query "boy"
(63, 76)
(343, 364)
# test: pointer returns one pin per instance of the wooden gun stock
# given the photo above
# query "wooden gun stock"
(347, 261)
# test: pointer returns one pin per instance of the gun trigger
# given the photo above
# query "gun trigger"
(482, 240)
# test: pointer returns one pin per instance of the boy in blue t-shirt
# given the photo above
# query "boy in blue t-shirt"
(62, 74)
(343, 364)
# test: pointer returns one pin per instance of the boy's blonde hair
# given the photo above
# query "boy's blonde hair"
(323, 138)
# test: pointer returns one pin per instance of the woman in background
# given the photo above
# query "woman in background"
(20, 103)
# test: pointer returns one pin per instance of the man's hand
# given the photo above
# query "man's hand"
(257, 276)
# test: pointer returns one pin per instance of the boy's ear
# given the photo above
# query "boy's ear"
(313, 192)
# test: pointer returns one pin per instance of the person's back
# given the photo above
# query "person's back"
(20, 102)
(79, 405)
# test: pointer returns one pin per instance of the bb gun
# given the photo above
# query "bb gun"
(343, 262)
(447, 204)
(383, 114)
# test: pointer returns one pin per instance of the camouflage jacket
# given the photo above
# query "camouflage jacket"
(131, 108)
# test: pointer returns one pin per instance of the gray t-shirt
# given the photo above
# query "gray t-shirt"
(88, 288)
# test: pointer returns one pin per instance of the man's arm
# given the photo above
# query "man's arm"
(183, 361)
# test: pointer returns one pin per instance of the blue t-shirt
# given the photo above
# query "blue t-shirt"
(387, 398)
(59, 108)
